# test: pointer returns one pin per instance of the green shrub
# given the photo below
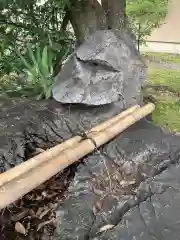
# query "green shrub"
(39, 70)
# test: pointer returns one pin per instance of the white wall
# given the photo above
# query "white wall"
(161, 47)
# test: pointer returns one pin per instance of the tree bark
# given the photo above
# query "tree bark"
(115, 11)
(86, 16)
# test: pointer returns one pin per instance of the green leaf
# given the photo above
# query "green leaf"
(45, 67)
(56, 46)
(33, 59)
(48, 93)
(26, 64)
(38, 57)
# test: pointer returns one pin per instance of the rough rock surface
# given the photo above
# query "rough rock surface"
(27, 125)
(104, 69)
(129, 189)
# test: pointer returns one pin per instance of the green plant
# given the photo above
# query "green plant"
(148, 13)
(165, 77)
(39, 70)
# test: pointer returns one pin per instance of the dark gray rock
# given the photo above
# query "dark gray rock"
(156, 218)
(131, 186)
(106, 68)
(27, 125)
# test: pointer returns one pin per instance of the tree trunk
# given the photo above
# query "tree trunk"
(86, 16)
(115, 13)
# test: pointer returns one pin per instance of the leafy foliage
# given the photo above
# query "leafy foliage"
(147, 13)
(36, 30)
(24, 22)
(40, 72)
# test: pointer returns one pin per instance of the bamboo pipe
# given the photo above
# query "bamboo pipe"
(52, 152)
(20, 186)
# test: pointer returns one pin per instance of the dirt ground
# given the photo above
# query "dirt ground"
(33, 216)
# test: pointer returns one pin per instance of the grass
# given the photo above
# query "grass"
(165, 77)
(167, 115)
(167, 112)
(164, 57)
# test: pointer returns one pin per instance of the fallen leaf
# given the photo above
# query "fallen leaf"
(49, 196)
(20, 215)
(40, 187)
(44, 213)
(127, 183)
(20, 228)
(28, 226)
(94, 210)
(97, 207)
(99, 204)
(38, 198)
(98, 191)
(51, 205)
(30, 196)
(106, 227)
(44, 193)
(39, 150)
(32, 213)
(55, 187)
(39, 211)
(41, 225)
